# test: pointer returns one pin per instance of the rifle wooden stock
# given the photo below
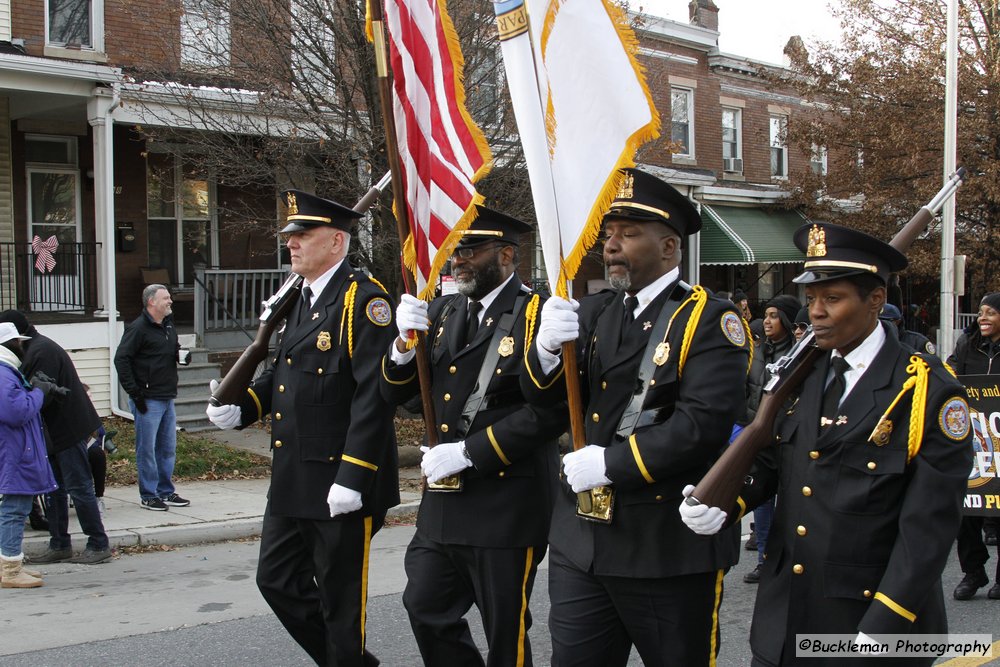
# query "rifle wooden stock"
(232, 388)
(721, 485)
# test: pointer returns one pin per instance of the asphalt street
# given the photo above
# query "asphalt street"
(198, 605)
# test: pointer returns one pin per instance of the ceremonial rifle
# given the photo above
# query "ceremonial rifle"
(722, 483)
(232, 388)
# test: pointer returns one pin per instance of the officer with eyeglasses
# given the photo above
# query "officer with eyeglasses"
(481, 544)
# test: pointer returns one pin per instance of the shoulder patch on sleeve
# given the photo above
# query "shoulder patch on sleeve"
(379, 311)
(954, 419)
(733, 329)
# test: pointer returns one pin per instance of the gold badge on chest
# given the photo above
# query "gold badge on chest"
(506, 346)
(883, 430)
(662, 353)
(323, 341)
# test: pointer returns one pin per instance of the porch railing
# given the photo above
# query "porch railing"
(60, 281)
(238, 294)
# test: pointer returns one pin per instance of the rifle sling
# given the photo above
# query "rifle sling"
(634, 410)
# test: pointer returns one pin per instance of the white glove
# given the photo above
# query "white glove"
(585, 469)
(343, 500)
(560, 323)
(445, 459)
(411, 315)
(863, 639)
(223, 416)
(702, 519)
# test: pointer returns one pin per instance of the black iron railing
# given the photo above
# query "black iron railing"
(57, 281)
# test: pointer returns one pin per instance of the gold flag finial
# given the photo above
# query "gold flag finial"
(817, 242)
(625, 189)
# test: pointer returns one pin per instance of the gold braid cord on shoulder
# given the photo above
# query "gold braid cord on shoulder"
(347, 317)
(698, 297)
(530, 315)
(917, 382)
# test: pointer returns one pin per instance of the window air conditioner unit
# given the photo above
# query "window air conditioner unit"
(817, 167)
(734, 164)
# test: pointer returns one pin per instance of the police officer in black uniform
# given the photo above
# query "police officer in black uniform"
(870, 467)
(663, 367)
(914, 339)
(480, 545)
(334, 469)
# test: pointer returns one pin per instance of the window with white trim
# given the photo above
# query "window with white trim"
(313, 51)
(76, 23)
(204, 35)
(180, 209)
(779, 146)
(681, 125)
(818, 160)
(732, 139)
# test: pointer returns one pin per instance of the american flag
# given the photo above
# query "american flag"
(442, 151)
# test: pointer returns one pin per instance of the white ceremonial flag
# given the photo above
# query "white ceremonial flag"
(582, 108)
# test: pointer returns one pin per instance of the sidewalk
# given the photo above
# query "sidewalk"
(220, 509)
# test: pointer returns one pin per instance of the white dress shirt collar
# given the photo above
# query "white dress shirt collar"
(860, 359)
(317, 286)
(488, 300)
(653, 289)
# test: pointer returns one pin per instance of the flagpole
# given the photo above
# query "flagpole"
(399, 199)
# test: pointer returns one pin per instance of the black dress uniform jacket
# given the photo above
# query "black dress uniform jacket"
(861, 534)
(692, 412)
(328, 421)
(507, 497)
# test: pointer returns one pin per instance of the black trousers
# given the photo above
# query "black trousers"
(972, 550)
(314, 575)
(443, 581)
(595, 619)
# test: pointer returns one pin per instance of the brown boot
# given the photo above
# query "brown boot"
(13, 575)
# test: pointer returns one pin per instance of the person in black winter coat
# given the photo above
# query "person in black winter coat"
(68, 425)
(779, 318)
(977, 352)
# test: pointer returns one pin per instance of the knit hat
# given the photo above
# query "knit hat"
(802, 317)
(992, 300)
(788, 307)
(18, 319)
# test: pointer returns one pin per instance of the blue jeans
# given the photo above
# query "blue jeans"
(72, 470)
(762, 517)
(14, 510)
(155, 447)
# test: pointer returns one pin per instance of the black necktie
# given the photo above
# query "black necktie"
(306, 302)
(472, 324)
(834, 392)
(631, 302)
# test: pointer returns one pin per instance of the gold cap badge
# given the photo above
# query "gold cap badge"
(293, 207)
(817, 242)
(625, 189)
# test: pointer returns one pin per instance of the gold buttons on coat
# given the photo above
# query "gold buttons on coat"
(499, 371)
(447, 397)
(801, 530)
(814, 455)
(872, 465)
(288, 360)
(596, 417)
(500, 474)
(452, 370)
(277, 443)
(867, 593)
(604, 385)
(444, 428)
(281, 389)
(806, 491)
(333, 458)
(277, 416)
(658, 497)
(798, 568)
(319, 371)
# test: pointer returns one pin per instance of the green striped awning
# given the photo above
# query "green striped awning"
(738, 235)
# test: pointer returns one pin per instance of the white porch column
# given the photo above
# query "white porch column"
(99, 109)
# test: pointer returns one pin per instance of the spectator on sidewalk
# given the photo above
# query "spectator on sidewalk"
(977, 352)
(146, 360)
(68, 425)
(480, 546)
(334, 470)
(24, 470)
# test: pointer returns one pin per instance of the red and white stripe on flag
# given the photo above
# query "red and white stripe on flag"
(441, 150)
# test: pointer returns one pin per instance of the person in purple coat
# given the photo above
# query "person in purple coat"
(24, 468)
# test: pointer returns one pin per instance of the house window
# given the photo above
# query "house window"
(313, 49)
(180, 203)
(77, 23)
(779, 147)
(732, 140)
(817, 160)
(204, 35)
(483, 84)
(681, 113)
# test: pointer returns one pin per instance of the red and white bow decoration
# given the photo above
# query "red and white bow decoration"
(44, 259)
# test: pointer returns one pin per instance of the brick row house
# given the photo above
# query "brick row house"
(123, 210)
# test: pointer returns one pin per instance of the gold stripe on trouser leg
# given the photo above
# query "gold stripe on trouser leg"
(713, 648)
(522, 631)
(364, 579)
